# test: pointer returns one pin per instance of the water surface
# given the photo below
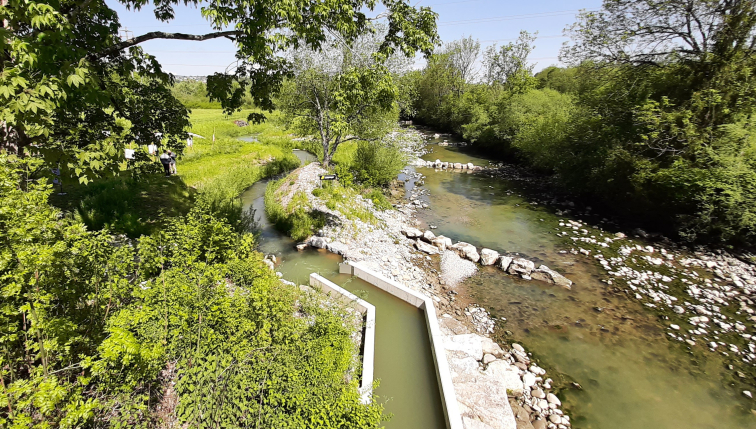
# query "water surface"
(632, 377)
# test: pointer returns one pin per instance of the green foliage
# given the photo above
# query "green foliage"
(560, 79)
(650, 120)
(193, 95)
(379, 199)
(74, 89)
(377, 163)
(96, 332)
(295, 218)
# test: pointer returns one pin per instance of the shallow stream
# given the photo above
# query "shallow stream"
(632, 377)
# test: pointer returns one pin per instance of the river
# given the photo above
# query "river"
(632, 377)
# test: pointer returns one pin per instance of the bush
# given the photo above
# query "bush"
(377, 164)
(296, 219)
(96, 331)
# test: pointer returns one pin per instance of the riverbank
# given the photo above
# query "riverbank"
(616, 317)
(485, 376)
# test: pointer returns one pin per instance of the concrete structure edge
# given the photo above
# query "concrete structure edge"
(448, 395)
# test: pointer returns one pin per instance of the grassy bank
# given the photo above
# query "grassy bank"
(210, 172)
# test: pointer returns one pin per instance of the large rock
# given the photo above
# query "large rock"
(466, 250)
(428, 236)
(488, 256)
(521, 267)
(470, 166)
(546, 274)
(426, 248)
(412, 232)
(507, 376)
(469, 344)
(490, 347)
(458, 165)
(338, 248)
(319, 242)
(504, 262)
(441, 242)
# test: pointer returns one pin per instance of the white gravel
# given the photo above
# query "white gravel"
(454, 270)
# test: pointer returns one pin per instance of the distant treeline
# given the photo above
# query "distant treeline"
(654, 124)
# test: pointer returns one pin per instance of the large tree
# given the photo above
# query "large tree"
(343, 92)
(70, 87)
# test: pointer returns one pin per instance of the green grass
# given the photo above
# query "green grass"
(210, 172)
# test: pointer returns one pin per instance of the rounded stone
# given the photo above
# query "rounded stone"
(528, 379)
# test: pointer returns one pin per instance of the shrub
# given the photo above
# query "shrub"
(376, 163)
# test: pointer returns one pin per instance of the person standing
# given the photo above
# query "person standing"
(173, 162)
(165, 159)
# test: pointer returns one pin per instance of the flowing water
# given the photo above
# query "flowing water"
(403, 358)
(631, 376)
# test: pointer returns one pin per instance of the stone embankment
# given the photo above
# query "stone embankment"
(428, 242)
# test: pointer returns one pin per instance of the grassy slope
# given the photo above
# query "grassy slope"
(220, 170)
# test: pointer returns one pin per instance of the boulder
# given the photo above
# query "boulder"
(529, 379)
(437, 164)
(426, 248)
(337, 248)
(490, 347)
(441, 242)
(470, 166)
(269, 264)
(552, 398)
(466, 250)
(488, 256)
(411, 232)
(488, 358)
(506, 375)
(457, 165)
(521, 267)
(469, 344)
(504, 262)
(319, 242)
(428, 236)
(546, 274)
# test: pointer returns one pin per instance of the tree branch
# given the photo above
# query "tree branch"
(163, 35)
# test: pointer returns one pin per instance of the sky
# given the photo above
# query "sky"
(490, 21)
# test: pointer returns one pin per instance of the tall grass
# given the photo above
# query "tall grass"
(213, 174)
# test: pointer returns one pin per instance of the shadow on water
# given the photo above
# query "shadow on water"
(403, 360)
(632, 377)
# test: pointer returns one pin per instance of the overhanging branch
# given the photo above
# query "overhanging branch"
(163, 35)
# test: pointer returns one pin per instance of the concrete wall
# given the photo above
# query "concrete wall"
(368, 335)
(448, 397)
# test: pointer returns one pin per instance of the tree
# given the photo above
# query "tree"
(507, 66)
(642, 32)
(463, 56)
(342, 93)
(71, 88)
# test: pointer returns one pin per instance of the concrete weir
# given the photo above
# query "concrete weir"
(368, 336)
(443, 374)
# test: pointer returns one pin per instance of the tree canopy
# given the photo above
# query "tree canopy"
(73, 90)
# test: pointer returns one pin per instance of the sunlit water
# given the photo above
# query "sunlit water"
(632, 377)
(403, 358)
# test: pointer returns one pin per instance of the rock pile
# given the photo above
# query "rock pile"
(427, 242)
(440, 165)
(486, 377)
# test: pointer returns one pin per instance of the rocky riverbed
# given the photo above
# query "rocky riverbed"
(486, 377)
